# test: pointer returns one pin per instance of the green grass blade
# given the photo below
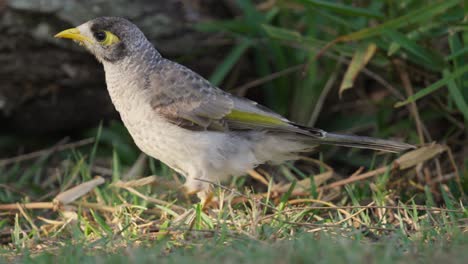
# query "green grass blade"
(284, 34)
(198, 217)
(428, 12)
(449, 203)
(251, 15)
(285, 197)
(433, 87)
(425, 57)
(456, 95)
(96, 144)
(341, 9)
(229, 26)
(290, 36)
(457, 54)
(101, 222)
(116, 167)
(231, 59)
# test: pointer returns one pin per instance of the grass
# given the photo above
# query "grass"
(305, 248)
(120, 216)
(399, 69)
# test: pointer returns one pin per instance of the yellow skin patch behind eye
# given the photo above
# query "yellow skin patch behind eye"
(110, 39)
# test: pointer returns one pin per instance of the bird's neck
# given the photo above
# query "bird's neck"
(141, 58)
(127, 78)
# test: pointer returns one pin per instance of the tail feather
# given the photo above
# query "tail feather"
(323, 137)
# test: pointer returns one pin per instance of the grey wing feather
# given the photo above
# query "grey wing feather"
(185, 98)
(188, 100)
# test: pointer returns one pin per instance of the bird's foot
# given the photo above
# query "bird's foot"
(205, 194)
(206, 198)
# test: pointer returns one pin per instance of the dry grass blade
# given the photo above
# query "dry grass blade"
(404, 162)
(154, 200)
(360, 59)
(242, 90)
(303, 186)
(135, 183)
(413, 108)
(353, 216)
(419, 155)
(76, 192)
(329, 204)
(257, 176)
(142, 182)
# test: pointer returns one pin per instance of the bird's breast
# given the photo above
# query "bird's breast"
(151, 132)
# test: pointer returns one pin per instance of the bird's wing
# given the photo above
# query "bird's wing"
(188, 100)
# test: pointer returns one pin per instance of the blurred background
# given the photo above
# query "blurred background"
(347, 66)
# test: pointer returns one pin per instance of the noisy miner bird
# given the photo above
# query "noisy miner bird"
(178, 117)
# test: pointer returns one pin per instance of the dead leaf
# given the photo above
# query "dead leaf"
(360, 58)
(76, 192)
(419, 155)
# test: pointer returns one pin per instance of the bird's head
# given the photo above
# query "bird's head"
(110, 39)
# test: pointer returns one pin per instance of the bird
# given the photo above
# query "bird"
(178, 117)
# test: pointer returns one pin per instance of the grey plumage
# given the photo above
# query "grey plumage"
(177, 116)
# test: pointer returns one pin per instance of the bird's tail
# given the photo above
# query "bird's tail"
(323, 137)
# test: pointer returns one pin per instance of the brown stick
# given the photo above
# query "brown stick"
(39, 153)
(354, 179)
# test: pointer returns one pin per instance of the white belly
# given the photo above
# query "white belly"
(160, 139)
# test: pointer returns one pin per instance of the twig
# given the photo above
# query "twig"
(455, 169)
(241, 90)
(296, 201)
(39, 153)
(338, 226)
(383, 82)
(154, 200)
(355, 178)
(353, 216)
(350, 207)
(323, 95)
(401, 68)
(14, 206)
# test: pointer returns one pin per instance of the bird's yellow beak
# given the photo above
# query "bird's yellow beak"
(74, 34)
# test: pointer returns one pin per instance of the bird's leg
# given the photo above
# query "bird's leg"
(202, 189)
(205, 196)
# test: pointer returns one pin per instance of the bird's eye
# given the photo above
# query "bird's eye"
(100, 36)
(106, 38)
